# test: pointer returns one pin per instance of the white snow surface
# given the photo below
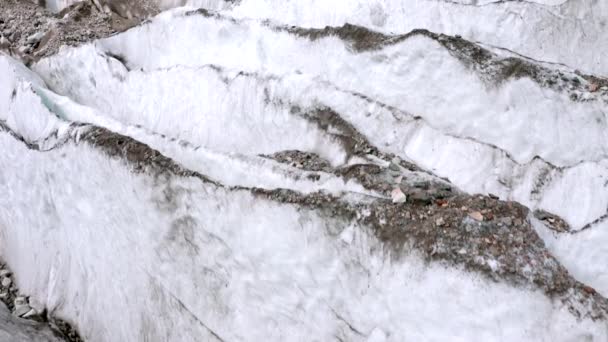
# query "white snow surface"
(205, 259)
(571, 32)
(484, 138)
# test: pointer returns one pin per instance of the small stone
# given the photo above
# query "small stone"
(421, 197)
(6, 282)
(398, 180)
(462, 251)
(441, 203)
(20, 301)
(394, 167)
(24, 49)
(507, 221)
(3, 295)
(394, 173)
(398, 196)
(588, 289)
(476, 215)
(4, 43)
(30, 313)
(21, 310)
(5, 273)
(593, 87)
(422, 185)
(35, 38)
(440, 222)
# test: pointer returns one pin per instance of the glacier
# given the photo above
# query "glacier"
(143, 199)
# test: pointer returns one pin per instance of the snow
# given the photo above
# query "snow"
(484, 138)
(582, 253)
(577, 35)
(246, 268)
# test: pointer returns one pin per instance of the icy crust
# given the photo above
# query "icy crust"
(211, 279)
(38, 126)
(577, 35)
(488, 143)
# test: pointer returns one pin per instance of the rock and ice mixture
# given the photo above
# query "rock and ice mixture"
(306, 171)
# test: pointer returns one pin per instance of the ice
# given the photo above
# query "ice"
(202, 259)
(483, 137)
(576, 37)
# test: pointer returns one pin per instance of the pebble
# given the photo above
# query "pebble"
(507, 221)
(20, 301)
(593, 87)
(21, 310)
(394, 167)
(4, 43)
(30, 313)
(35, 38)
(398, 196)
(421, 197)
(476, 215)
(394, 173)
(5, 273)
(6, 282)
(440, 221)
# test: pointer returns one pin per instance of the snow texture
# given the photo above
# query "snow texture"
(519, 140)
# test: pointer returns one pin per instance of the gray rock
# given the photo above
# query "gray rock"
(20, 301)
(507, 221)
(4, 43)
(30, 313)
(35, 38)
(6, 282)
(394, 167)
(21, 310)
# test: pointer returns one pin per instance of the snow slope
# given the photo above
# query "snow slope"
(518, 138)
(206, 262)
(555, 31)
